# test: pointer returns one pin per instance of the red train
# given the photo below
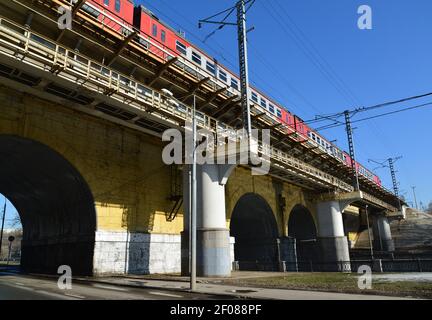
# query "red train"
(122, 16)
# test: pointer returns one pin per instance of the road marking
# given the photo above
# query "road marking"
(165, 294)
(101, 286)
(23, 288)
(56, 295)
(74, 295)
(20, 284)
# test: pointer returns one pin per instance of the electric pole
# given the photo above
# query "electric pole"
(391, 162)
(243, 64)
(242, 51)
(2, 226)
(349, 131)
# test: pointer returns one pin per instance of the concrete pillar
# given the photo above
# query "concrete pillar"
(382, 234)
(331, 237)
(213, 238)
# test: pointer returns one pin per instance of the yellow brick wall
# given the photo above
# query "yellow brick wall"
(241, 182)
(123, 168)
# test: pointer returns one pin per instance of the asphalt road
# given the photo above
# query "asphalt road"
(22, 287)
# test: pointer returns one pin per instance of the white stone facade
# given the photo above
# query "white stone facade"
(138, 253)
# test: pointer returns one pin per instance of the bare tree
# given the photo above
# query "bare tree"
(16, 221)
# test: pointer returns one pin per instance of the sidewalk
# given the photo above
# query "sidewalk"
(211, 286)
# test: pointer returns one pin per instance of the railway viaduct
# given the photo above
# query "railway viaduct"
(82, 114)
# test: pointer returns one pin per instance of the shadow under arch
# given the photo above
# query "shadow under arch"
(254, 228)
(301, 226)
(55, 205)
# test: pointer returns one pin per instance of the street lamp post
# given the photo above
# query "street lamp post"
(415, 197)
(369, 233)
(193, 200)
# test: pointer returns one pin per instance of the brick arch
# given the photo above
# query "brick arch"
(303, 228)
(55, 204)
(255, 230)
(241, 182)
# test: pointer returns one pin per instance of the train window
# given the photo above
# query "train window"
(254, 97)
(117, 5)
(154, 30)
(211, 68)
(163, 35)
(263, 103)
(106, 2)
(196, 57)
(271, 108)
(180, 47)
(223, 75)
(279, 113)
(234, 83)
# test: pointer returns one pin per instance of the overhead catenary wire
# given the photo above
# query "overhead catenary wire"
(325, 63)
(376, 116)
(310, 55)
(261, 81)
(332, 117)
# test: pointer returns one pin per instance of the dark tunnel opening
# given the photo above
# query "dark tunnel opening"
(255, 230)
(55, 205)
(301, 226)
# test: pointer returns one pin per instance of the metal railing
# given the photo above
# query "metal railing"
(37, 51)
(376, 266)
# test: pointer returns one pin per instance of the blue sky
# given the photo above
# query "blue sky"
(310, 56)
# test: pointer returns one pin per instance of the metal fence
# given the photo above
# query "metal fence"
(376, 265)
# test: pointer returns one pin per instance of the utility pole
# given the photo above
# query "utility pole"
(2, 226)
(349, 131)
(243, 63)
(415, 198)
(391, 162)
(243, 54)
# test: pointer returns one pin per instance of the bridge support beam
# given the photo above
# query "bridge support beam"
(382, 234)
(213, 237)
(331, 237)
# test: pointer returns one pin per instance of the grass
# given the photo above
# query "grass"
(11, 263)
(338, 282)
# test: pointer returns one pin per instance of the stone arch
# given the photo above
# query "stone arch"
(254, 227)
(302, 227)
(55, 205)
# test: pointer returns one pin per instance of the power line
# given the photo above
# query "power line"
(321, 118)
(276, 72)
(280, 19)
(261, 83)
(376, 116)
(316, 51)
(242, 53)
